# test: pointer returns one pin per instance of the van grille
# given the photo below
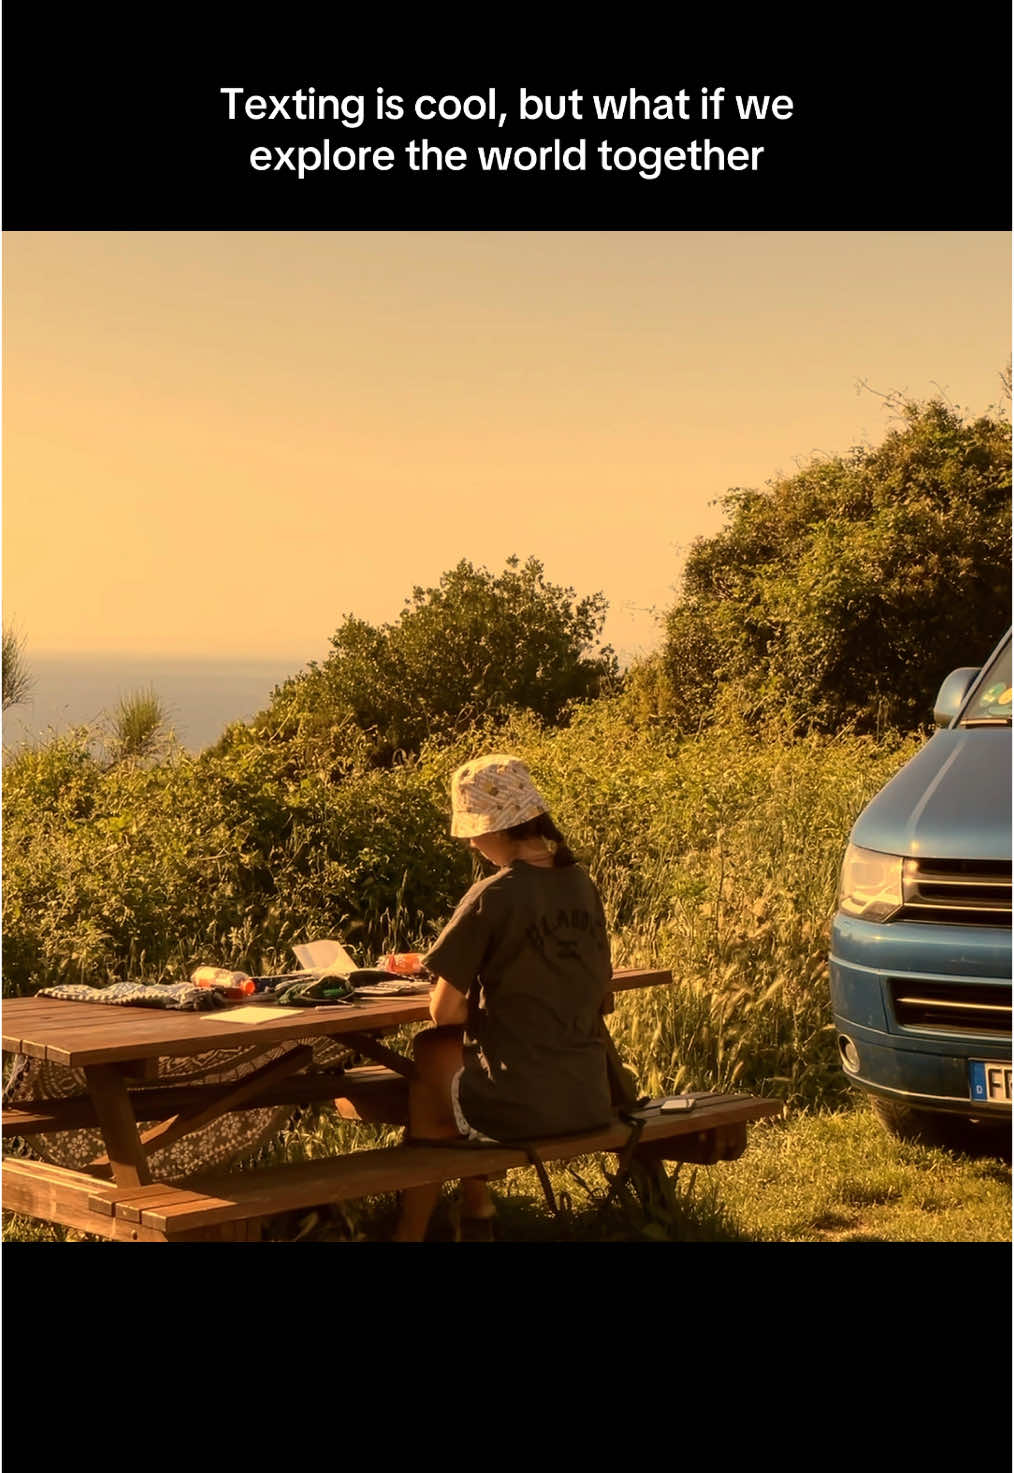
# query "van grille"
(951, 1007)
(968, 892)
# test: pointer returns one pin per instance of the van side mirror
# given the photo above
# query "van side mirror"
(952, 693)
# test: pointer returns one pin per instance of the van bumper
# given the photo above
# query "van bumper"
(926, 1067)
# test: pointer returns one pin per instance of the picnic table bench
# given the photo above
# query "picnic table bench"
(119, 1048)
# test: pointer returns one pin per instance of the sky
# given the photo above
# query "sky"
(220, 443)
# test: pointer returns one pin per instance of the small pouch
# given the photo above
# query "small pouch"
(318, 992)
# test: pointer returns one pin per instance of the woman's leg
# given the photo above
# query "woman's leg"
(438, 1057)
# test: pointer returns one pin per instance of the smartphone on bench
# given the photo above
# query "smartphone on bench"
(676, 1104)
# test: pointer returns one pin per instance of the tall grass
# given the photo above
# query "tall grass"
(716, 856)
(137, 726)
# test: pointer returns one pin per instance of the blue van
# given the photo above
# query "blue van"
(921, 942)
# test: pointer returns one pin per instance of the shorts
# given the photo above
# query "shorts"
(463, 1126)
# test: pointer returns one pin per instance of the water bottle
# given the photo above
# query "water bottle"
(237, 984)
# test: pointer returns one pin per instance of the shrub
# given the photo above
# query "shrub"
(476, 646)
(845, 593)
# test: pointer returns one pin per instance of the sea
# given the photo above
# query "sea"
(201, 696)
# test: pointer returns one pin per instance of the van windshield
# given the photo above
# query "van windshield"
(992, 705)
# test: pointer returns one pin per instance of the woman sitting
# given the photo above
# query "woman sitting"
(523, 966)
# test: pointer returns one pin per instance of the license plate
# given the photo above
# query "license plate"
(989, 1081)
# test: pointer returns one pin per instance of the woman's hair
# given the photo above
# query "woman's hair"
(543, 827)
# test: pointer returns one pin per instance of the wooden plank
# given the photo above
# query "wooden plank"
(129, 1203)
(723, 1143)
(182, 1039)
(35, 1007)
(118, 1034)
(36, 1116)
(24, 1046)
(118, 1125)
(50, 1019)
(376, 1095)
(137, 1036)
(47, 1168)
(42, 1015)
(42, 1010)
(626, 978)
(91, 1024)
(33, 1117)
(29, 1018)
(62, 1035)
(61, 1196)
(270, 1190)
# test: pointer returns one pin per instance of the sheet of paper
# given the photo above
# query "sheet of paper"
(248, 1014)
(324, 956)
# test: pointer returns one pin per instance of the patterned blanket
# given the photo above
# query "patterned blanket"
(182, 996)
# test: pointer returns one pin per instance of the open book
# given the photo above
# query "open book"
(329, 958)
(326, 958)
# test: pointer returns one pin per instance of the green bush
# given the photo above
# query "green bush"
(230, 857)
(478, 645)
(845, 593)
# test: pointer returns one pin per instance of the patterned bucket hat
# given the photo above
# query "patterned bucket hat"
(490, 794)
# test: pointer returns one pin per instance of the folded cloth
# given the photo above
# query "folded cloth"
(180, 996)
(315, 993)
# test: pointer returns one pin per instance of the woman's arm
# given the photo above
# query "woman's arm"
(447, 1004)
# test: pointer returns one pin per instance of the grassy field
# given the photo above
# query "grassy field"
(717, 858)
(822, 1177)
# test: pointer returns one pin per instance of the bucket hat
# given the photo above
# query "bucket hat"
(492, 793)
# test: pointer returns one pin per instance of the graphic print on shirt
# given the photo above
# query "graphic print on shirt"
(557, 935)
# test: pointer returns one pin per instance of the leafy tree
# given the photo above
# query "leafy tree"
(476, 646)
(847, 591)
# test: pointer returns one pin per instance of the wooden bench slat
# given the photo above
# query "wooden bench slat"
(269, 1190)
(129, 1204)
(57, 1194)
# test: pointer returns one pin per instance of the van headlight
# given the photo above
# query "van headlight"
(870, 884)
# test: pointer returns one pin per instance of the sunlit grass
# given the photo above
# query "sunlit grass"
(840, 1178)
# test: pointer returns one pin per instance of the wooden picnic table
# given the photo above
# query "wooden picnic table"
(119, 1050)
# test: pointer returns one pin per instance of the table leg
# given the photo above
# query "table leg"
(118, 1125)
(368, 1045)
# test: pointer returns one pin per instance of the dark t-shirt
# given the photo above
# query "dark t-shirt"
(528, 946)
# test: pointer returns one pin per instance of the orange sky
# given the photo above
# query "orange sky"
(220, 443)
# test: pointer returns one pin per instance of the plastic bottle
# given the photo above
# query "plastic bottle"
(405, 963)
(238, 984)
